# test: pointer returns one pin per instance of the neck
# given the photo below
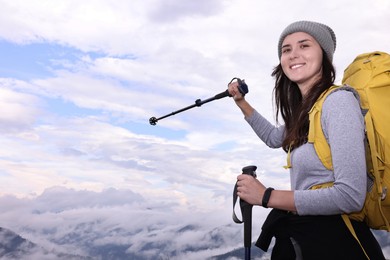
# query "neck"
(305, 87)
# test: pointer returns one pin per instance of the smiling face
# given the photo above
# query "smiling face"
(301, 60)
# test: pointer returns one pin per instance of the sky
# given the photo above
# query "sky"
(79, 81)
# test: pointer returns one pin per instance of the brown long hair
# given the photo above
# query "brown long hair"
(293, 108)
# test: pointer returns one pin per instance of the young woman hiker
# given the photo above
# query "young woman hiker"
(307, 222)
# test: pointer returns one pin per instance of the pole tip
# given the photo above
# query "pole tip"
(153, 120)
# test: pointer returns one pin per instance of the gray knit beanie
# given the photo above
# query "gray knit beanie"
(323, 34)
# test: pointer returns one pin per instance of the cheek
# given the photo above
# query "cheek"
(284, 65)
(318, 59)
(317, 65)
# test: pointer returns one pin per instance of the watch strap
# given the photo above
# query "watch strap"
(266, 197)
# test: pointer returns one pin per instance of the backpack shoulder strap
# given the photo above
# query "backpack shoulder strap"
(316, 135)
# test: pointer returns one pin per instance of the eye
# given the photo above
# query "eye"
(303, 46)
(285, 50)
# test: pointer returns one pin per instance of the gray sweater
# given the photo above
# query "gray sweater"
(343, 126)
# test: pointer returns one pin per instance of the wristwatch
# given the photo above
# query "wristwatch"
(266, 196)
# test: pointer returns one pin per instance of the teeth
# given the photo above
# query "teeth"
(296, 66)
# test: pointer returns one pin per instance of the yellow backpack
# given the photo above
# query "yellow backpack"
(369, 74)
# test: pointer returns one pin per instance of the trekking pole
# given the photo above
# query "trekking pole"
(242, 87)
(246, 211)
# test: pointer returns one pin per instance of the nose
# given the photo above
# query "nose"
(293, 54)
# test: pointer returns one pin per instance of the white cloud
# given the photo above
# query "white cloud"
(18, 110)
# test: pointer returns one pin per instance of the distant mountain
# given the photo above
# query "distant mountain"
(13, 246)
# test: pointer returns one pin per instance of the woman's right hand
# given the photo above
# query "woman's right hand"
(234, 92)
(239, 98)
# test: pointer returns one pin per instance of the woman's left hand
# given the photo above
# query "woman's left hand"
(250, 189)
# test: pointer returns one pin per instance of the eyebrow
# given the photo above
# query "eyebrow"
(301, 41)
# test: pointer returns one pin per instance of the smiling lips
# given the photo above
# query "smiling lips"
(296, 66)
